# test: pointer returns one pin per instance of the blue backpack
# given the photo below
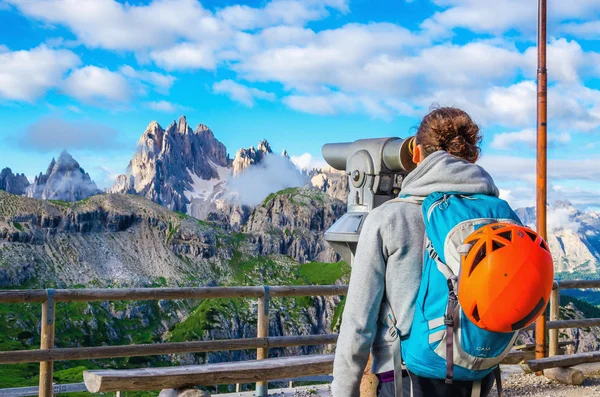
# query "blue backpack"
(440, 329)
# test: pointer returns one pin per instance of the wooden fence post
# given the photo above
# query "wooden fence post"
(554, 315)
(263, 332)
(47, 342)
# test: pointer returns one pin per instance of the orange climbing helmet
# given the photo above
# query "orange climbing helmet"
(506, 277)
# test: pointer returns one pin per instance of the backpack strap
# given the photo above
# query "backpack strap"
(451, 313)
(397, 355)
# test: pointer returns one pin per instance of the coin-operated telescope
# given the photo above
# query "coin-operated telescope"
(375, 168)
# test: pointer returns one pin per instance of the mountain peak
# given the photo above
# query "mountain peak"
(182, 125)
(264, 146)
(66, 160)
(64, 180)
(246, 157)
(562, 204)
(169, 162)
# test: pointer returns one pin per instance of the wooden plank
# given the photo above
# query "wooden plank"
(308, 290)
(263, 332)
(581, 323)
(569, 376)
(554, 314)
(47, 342)
(85, 353)
(532, 345)
(208, 374)
(130, 294)
(564, 361)
(571, 284)
(23, 296)
(517, 356)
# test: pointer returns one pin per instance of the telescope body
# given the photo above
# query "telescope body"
(375, 168)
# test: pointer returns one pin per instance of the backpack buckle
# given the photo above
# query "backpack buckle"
(448, 320)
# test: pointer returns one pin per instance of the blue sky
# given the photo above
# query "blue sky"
(88, 76)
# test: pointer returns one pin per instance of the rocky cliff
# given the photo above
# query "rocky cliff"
(293, 221)
(64, 180)
(244, 158)
(13, 183)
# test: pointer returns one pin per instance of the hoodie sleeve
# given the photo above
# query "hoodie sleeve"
(359, 320)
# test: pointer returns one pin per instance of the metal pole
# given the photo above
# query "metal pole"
(542, 146)
(263, 332)
(47, 342)
(554, 314)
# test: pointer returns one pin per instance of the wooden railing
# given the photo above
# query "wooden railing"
(553, 360)
(47, 353)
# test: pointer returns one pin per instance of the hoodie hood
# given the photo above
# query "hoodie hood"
(443, 172)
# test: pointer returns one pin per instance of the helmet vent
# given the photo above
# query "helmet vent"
(496, 227)
(544, 245)
(478, 258)
(532, 236)
(476, 314)
(497, 245)
(507, 235)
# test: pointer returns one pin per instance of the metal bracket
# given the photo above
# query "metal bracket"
(50, 304)
(267, 298)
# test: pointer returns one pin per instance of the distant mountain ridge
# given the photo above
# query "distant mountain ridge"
(13, 183)
(573, 236)
(168, 162)
(64, 180)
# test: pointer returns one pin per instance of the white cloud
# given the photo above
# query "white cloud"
(279, 12)
(272, 174)
(561, 219)
(337, 102)
(241, 93)
(160, 82)
(27, 75)
(587, 30)
(341, 58)
(528, 137)
(92, 83)
(115, 26)
(186, 56)
(306, 161)
(512, 168)
(164, 106)
(501, 16)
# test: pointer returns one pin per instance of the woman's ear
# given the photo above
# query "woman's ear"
(417, 154)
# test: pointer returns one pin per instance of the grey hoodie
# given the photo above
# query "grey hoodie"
(387, 265)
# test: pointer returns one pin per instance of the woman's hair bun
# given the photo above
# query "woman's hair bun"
(451, 130)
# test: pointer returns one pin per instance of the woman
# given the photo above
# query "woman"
(389, 257)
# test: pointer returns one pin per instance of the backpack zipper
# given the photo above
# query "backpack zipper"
(436, 204)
